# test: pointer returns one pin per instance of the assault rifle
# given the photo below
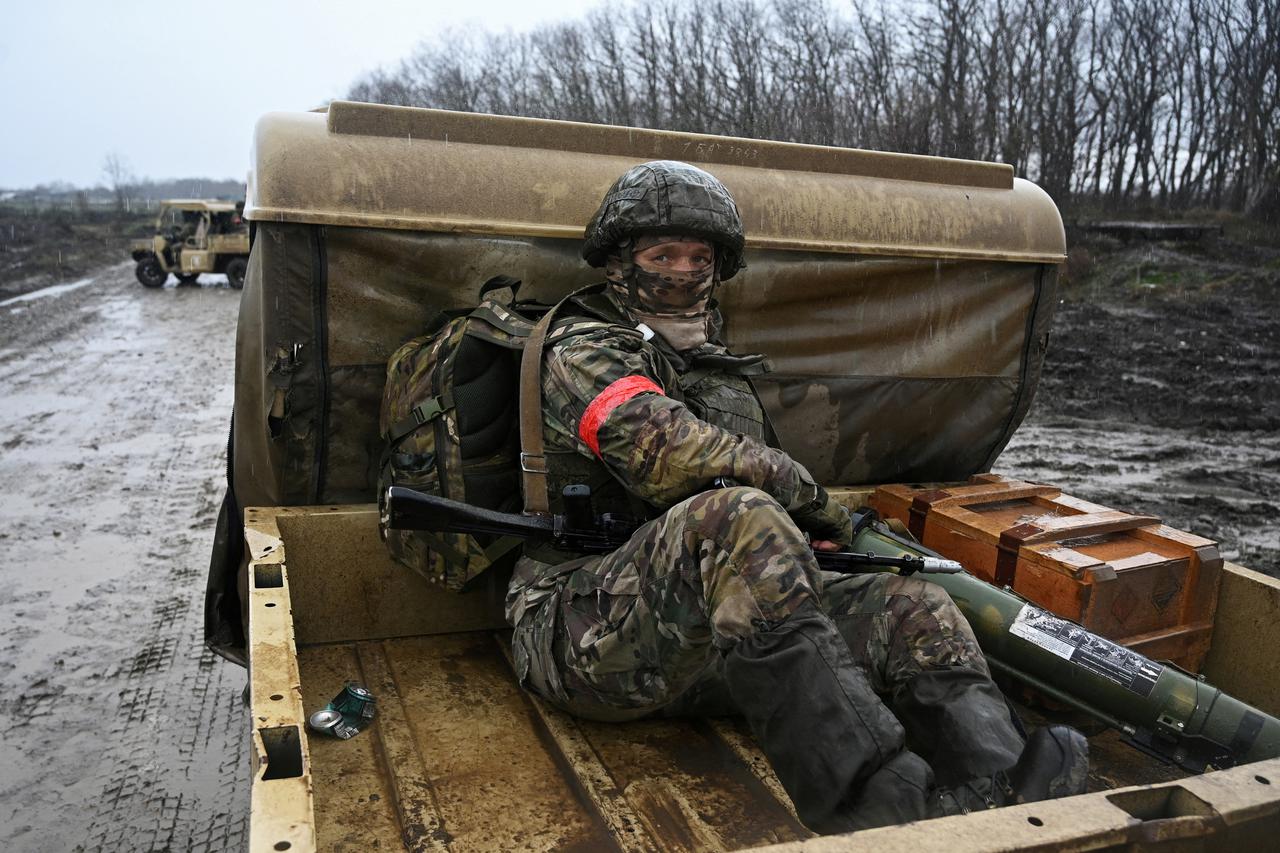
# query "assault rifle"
(1160, 709)
(582, 531)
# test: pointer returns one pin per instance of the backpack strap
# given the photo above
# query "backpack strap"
(498, 282)
(533, 458)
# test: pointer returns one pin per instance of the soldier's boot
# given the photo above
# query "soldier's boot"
(837, 750)
(1055, 763)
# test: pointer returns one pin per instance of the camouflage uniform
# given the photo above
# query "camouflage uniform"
(639, 631)
(717, 603)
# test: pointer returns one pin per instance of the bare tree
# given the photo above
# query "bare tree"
(119, 178)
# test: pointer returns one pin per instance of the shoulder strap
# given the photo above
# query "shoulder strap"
(770, 434)
(427, 410)
(533, 458)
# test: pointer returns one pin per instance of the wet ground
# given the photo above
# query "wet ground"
(1161, 391)
(123, 733)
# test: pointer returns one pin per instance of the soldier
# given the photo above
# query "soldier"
(717, 603)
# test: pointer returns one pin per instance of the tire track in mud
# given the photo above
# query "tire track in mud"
(124, 733)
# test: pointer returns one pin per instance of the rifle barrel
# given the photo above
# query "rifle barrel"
(409, 509)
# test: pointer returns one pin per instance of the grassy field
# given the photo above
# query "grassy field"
(40, 247)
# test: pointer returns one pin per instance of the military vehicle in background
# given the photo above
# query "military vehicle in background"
(194, 236)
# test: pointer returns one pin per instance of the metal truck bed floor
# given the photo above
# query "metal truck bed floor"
(460, 756)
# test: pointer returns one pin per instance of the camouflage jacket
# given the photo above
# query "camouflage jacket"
(622, 410)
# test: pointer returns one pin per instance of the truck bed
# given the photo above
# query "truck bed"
(461, 755)
(461, 758)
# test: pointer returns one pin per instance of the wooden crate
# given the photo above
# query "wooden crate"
(1126, 577)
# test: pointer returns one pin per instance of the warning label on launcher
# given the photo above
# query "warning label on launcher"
(1069, 641)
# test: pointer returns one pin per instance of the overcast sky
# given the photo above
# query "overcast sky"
(175, 87)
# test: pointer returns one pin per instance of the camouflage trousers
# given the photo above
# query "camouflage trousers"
(641, 631)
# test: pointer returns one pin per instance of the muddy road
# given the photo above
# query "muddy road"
(123, 733)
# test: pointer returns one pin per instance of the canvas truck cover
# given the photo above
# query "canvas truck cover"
(904, 300)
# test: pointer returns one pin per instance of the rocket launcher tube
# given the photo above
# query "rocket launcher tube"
(1162, 710)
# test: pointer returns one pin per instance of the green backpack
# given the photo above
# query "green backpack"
(450, 425)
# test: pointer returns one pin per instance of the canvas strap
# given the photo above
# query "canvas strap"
(533, 457)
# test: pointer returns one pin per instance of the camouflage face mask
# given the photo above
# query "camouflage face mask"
(674, 304)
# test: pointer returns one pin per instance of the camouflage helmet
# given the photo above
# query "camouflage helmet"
(666, 195)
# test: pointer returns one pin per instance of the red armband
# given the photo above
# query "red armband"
(606, 401)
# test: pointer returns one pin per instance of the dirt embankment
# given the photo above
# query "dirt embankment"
(1161, 390)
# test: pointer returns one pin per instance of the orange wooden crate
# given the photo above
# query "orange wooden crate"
(1126, 577)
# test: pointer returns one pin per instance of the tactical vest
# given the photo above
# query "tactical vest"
(716, 387)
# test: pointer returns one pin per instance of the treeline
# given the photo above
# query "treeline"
(144, 193)
(1173, 102)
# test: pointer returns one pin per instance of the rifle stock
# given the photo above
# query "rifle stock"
(408, 509)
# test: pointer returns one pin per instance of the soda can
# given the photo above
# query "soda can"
(346, 715)
(354, 703)
(327, 721)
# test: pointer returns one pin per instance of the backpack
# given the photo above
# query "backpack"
(451, 426)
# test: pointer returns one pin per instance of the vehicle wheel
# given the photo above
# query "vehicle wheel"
(150, 273)
(235, 272)
(187, 278)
